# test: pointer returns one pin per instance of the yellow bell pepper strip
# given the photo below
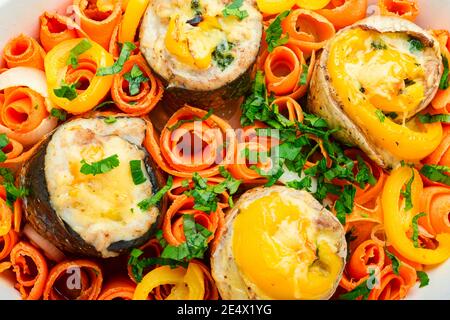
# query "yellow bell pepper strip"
(410, 142)
(274, 6)
(131, 19)
(189, 283)
(397, 220)
(313, 4)
(56, 68)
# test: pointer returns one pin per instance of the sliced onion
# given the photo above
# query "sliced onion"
(31, 138)
(47, 247)
(25, 77)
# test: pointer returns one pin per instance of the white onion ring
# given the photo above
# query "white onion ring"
(25, 77)
(49, 249)
(28, 139)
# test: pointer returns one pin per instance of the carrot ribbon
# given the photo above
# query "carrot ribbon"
(406, 9)
(24, 51)
(31, 270)
(118, 288)
(342, 13)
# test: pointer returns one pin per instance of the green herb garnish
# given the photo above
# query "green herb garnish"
(4, 141)
(378, 45)
(135, 78)
(361, 291)
(415, 227)
(344, 205)
(428, 118)
(136, 172)
(364, 174)
(380, 115)
(83, 46)
(436, 173)
(67, 91)
(144, 205)
(423, 278)
(59, 114)
(99, 167)
(222, 55)
(233, 9)
(304, 76)
(274, 32)
(117, 67)
(110, 120)
(407, 193)
(444, 84)
(181, 122)
(415, 45)
(395, 262)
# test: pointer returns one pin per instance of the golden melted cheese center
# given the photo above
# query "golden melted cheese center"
(102, 209)
(285, 250)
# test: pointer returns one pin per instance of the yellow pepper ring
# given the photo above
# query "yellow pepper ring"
(189, 284)
(313, 4)
(56, 68)
(393, 219)
(274, 6)
(131, 19)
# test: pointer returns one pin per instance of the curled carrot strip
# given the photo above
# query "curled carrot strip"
(406, 9)
(242, 167)
(342, 13)
(279, 60)
(119, 288)
(367, 254)
(31, 270)
(173, 220)
(56, 28)
(83, 281)
(151, 249)
(441, 101)
(177, 189)
(393, 286)
(150, 91)
(24, 51)
(23, 109)
(308, 30)
(435, 202)
(9, 218)
(7, 243)
(99, 25)
(440, 156)
(191, 144)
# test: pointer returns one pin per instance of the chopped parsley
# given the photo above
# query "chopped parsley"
(303, 184)
(428, 118)
(380, 115)
(364, 174)
(135, 78)
(117, 67)
(415, 227)
(444, 84)
(136, 172)
(4, 141)
(99, 167)
(304, 76)
(378, 45)
(415, 45)
(196, 242)
(395, 262)
(12, 192)
(181, 122)
(83, 46)
(436, 173)
(110, 120)
(222, 55)
(156, 198)
(59, 114)
(67, 91)
(360, 291)
(274, 32)
(139, 265)
(423, 278)
(344, 205)
(195, 6)
(407, 193)
(233, 9)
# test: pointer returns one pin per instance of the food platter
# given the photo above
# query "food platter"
(23, 16)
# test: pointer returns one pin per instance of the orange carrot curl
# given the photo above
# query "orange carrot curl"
(192, 141)
(82, 280)
(31, 270)
(24, 51)
(141, 98)
(98, 21)
(406, 9)
(118, 288)
(56, 28)
(342, 13)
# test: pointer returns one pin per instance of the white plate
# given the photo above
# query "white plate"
(22, 16)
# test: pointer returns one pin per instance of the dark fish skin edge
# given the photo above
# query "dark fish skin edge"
(40, 214)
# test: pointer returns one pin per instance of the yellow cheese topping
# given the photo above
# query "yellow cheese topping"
(278, 248)
(375, 72)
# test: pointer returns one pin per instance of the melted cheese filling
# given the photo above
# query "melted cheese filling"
(279, 248)
(102, 209)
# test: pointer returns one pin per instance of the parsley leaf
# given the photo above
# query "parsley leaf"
(304, 76)
(7, 175)
(135, 77)
(136, 172)
(67, 91)
(156, 198)
(428, 118)
(415, 45)
(378, 45)
(344, 205)
(275, 31)
(364, 174)
(362, 290)
(110, 120)
(303, 184)
(395, 262)
(99, 167)
(181, 122)
(59, 114)
(415, 227)
(117, 67)
(423, 278)
(4, 141)
(13, 193)
(233, 9)
(222, 55)
(407, 193)
(444, 84)
(436, 173)
(380, 115)
(83, 46)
